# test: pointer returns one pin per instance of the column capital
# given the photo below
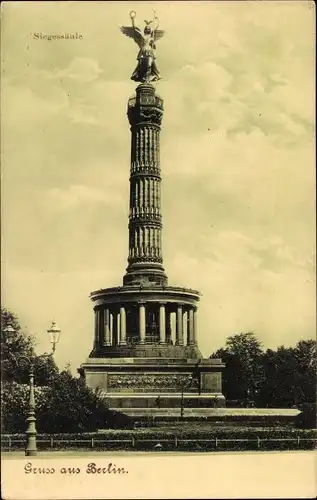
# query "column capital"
(189, 308)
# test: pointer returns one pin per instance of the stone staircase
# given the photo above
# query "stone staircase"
(224, 414)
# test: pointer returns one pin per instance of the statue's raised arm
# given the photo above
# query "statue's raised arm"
(146, 70)
(157, 33)
(133, 31)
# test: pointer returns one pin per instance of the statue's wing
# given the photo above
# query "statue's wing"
(134, 33)
(158, 34)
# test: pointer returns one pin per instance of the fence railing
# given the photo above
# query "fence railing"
(173, 442)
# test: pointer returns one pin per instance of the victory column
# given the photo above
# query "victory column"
(136, 355)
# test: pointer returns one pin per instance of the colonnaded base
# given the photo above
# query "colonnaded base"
(137, 385)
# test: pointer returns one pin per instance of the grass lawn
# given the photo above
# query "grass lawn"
(183, 436)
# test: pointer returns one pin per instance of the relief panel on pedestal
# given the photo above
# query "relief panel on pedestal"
(151, 383)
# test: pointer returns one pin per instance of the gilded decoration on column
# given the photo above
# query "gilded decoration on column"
(146, 70)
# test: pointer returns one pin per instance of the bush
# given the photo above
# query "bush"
(63, 402)
(68, 405)
(117, 420)
(74, 407)
(188, 440)
(14, 404)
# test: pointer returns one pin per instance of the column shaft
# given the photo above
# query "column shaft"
(142, 323)
(96, 340)
(179, 326)
(195, 316)
(115, 329)
(123, 333)
(145, 192)
(150, 193)
(107, 327)
(101, 327)
(191, 327)
(111, 328)
(162, 324)
(168, 326)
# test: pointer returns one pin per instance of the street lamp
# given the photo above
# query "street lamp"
(31, 449)
(8, 329)
(54, 334)
(184, 383)
(215, 401)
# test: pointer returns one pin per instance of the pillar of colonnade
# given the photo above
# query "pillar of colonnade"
(123, 327)
(96, 337)
(142, 323)
(162, 324)
(107, 327)
(179, 326)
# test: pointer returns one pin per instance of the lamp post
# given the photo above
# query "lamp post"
(54, 334)
(31, 449)
(215, 401)
(31, 432)
(183, 384)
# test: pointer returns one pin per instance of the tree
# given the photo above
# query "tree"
(17, 347)
(284, 377)
(243, 373)
(305, 379)
(278, 388)
(308, 417)
(77, 408)
(74, 406)
(289, 375)
(45, 369)
(63, 403)
(14, 346)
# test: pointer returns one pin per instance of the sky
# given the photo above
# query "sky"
(237, 160)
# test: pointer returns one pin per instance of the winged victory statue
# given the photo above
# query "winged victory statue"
(146, 70)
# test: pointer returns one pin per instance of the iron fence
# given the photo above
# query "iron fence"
(9, 443)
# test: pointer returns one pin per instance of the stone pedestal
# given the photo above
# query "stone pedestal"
(136, 383)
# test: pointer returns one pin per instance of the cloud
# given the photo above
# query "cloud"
(236, 155)
(246, 285)
(76, 195)
(22, 107)
(82, 70)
